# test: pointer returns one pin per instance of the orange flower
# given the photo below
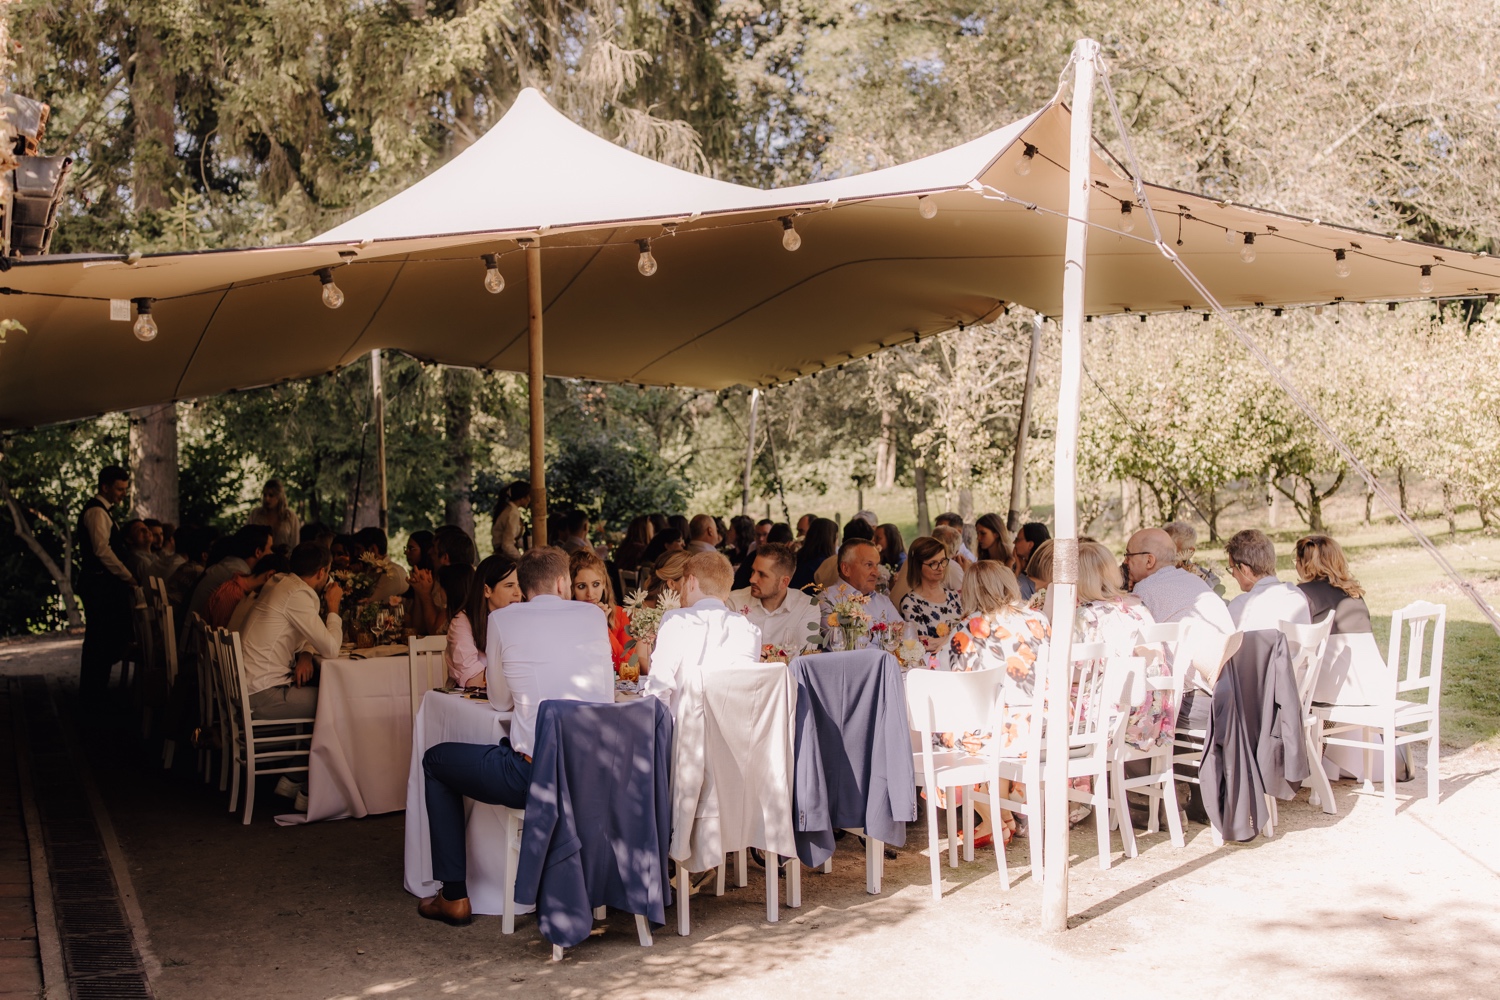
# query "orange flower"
(941, 629)
(961, 642)
(833, 621)
(1017, 667)
(1038, 630)
(979, 627)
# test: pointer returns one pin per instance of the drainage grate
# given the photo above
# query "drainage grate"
(99, 953)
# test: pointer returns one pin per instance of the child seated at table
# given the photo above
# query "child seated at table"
(701, 632)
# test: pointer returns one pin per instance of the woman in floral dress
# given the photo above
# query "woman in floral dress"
(998, 632)
(929, 605)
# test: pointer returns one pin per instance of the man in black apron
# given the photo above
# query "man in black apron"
(105, 585)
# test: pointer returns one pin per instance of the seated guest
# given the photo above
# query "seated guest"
(637, 537)
(392, 582)
(232, 592)
(1039, 571)
(278, 672)
(927, 603)
(998, 633)
(786, 618)
(664, 542)
(857, 530)
(193, 543)
(1169, 593)
(781, 534)
(1266, 601)
(859, 573)
(454, 583)
(1186, 539)
(419, 554)
(574, 536)
(803, 523)
(659, 523)
(952, 541)
(1328, 585)
(992, 539)
(763, 531)
(167, 557)
(494, 586)
(680, 523)
(139, 557)
(740, 541)
(703, 632)
(451, 546)
(543, 648)
(703, 534)
(342, 549)
(949, 519)
(240, 554)
(666, 575)
(321, 534)
(591, 583)
(892, 547)
(275, 513)
(820, 542)
(1032, 534)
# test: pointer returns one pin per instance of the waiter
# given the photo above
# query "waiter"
(105, 585)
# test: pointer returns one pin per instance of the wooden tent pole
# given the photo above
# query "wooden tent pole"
(535, 382)
(749, 452)
(1023, 430)
(377, 388)
(1064, 588)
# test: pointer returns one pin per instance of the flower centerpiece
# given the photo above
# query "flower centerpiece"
(852, 615)
(772, 653)
(358, 581)
(642, 627)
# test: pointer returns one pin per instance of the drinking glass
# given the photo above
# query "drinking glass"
(835, 641)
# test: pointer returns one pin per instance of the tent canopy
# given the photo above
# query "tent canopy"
(728, 305)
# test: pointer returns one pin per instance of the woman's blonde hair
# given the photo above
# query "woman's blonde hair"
(671, 567)
(586, 559)
(1099, 575)
(1039, 566)
(1321, 558)
(988, 587)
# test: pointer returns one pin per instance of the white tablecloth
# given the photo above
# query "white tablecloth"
(361, 742)
(451, 718)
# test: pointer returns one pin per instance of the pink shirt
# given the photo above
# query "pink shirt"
(463, 659)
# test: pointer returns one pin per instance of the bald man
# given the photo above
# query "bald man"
(1171, 594)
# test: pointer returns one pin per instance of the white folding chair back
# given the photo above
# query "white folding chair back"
(1308, 645)
(263, 746)
(629, 581)
(1421, 628)
(427, 669)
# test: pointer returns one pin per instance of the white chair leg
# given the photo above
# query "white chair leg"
(512, 860)
(643, 931)
(557, 953)
(1389, 777)
(969, 827)
(1434, 790)
(1322, 788)
(828, 866)
(249, 792)
(1122, 809)
(1367, 736)
(874, 864)
(933, 853)
(794, 883)
(1169, 806)
(599, 913)
(684, 919)
(741, 867)
(773, 890)
(952, 815)
(719, 880)
(1101, 820)
(234, 790)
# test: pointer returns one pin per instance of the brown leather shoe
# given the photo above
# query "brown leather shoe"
(450, 911)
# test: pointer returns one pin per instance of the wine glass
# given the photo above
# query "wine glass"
(835, 641)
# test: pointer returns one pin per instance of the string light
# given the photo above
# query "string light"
(927, 206)
(1247, 252)
(145, 323)
(494, 281)
(647, 263)
(1230, 235)
(1390, 307)
(1127, 218)
(1340, 263)
(1424, 285)
(1023, 165)
(333, 296)
(1277, 312)
(790, 238)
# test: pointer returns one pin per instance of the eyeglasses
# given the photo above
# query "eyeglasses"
(1129, 555)
(936, 563)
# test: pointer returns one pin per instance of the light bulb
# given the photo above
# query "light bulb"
(145, 323)
(926, 206)
(1340, 264)
(494, 281)
(1230, 235)
(1023, 165)
(1247, 252)
(333, 296)
(790, 238)
(1425, 284)
(1127, 217)
(647, 264)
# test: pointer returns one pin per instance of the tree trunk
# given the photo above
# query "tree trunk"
(1130, 510)
(919, 477)
(458, 396)
(1314, 509)
(885, 452)
(1213, 515)
(153, 461)
(153, 99)
(1273, 501)
(1484, 514)
(61, 575)
(1450, 512)
(1401, 486)
(1369, 503)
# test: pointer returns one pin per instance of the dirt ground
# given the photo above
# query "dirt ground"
(1355, 905)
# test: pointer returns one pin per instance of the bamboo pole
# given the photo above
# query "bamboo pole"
(1064, 588)
(1023, 431)
(535, 383)
(377, 389)
(749, 452)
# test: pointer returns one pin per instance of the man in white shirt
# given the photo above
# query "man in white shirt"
(786, 618)
(1266, 601)
(280, 630)
(1169, 593)
(547, 648)
(703, 534)
(859, 573)
(703, 632)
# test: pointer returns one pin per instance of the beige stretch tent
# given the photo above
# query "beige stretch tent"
(728, 306)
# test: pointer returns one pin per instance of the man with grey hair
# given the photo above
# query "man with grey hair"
(1266, 601)
(859, 573)
(1169, 593)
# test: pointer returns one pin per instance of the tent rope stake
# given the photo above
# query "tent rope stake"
(1280, 377)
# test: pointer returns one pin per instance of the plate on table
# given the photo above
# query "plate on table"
(371, 652)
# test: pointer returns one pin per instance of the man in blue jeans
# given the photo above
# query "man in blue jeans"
(547, 648)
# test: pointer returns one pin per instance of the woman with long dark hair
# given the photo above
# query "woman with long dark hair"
(492, 586)
(821, 543)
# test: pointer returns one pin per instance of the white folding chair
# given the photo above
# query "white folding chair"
(1205, 649)
(425, 656)
(1393, 715)
(1159, 783)
(1105, 688)
(1308, 645)
(255, 741)
(166, 647)
(629, 581)
(944, 702)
